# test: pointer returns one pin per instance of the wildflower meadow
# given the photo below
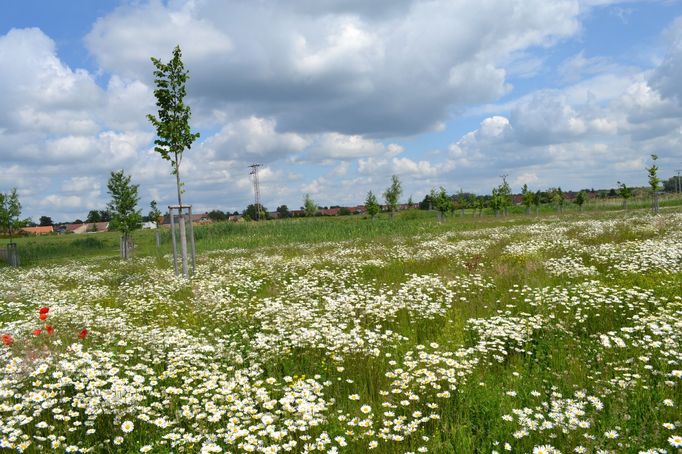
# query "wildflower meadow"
(523, 334)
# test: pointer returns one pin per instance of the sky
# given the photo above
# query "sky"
(333, 97)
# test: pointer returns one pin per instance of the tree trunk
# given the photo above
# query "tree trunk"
(13, 255)
(183, 244)
(181, 221)
(158, 238)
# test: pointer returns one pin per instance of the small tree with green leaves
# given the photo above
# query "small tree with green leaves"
(441, 202)
(504, 194)
(172, 126)
(558, 199)
(392, 195)
(155, 216)
(526, 197)
(372, 205)
(537, 200)
(479, 204)
(124, 216)
(255, 212)
(654, 182)
(496, 200)
(309, 206)
(10, 210)
(625, 193)
(580, 199)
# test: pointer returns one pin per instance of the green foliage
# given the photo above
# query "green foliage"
(496, 200)
(98, 216)
(580, 198)
(172, 124)
(654, 181)
(392, 194)
(255, 212)
(124, 216)
(372, 204)
(527, 196)
(624, 191)
(309, 206)
(155, 213)
(10, 210)
(441, 201)
(504, 194)
(557, 198)
(284, 212)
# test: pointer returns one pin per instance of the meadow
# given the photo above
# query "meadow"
(514, 334)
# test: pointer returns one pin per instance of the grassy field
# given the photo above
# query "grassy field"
(557, 333)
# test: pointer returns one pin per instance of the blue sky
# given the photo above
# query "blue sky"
(333, 97)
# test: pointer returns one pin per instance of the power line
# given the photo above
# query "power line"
(256, 188)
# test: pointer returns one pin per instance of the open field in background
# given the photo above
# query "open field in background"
(558, 333)
(54, 248)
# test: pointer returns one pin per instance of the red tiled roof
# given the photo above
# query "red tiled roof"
(38, 230)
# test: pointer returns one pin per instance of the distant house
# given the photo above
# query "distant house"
(149, 225)
(201, 218)
(89, 227)
(44, 230)
(329, 211)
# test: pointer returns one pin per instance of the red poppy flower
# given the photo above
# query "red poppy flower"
(43, 317)
(49, 329)
(44, 310)
(37, 332)
(83, 333)
(7, 339)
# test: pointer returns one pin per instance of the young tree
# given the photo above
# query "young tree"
(654, 182)
(480, 204)
(580, 199)
(154, 213)
(10, 210)
(155, 217)
(172, 126)
(496, 201)
(410, 202)
(392, 194)
(372, 205)
(93, 216)
(526, 197)
(217, 215)
(309, 206)
(558, 199)
(504, 194)
(441, 202)
(283, 211)
(537, 200)
(625, 193)
(124, 216)
(255, 212)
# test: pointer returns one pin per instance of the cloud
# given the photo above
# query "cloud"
(347, 67)
(665, 79)
(345, 147)
(252, 139)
